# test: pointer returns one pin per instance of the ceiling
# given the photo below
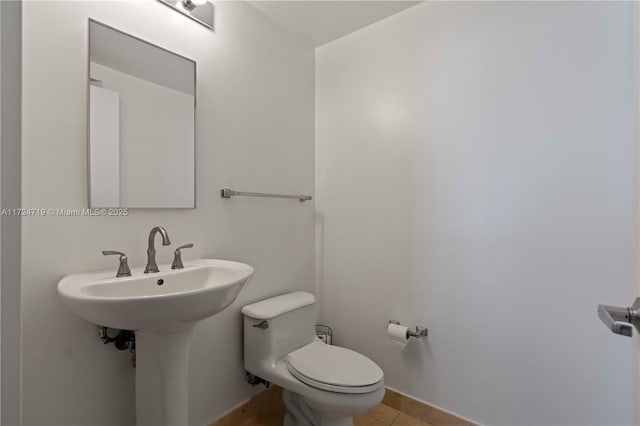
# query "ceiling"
(322, 21)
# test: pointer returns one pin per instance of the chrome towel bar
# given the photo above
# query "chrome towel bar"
(228, 193)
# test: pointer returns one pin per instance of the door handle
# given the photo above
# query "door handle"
(619, 320)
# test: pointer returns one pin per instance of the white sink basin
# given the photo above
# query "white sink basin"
(162, 308)
(166, 299)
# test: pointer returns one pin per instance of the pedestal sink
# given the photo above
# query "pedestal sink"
(162, 308)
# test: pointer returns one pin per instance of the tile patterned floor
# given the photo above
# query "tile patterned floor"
(381, 415)
(384, 415)
(267, 409)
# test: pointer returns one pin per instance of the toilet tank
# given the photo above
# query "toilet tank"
(291, 325)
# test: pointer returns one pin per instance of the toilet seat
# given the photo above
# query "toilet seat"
(334, 369)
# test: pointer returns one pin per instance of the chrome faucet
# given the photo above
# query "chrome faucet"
(152, 266)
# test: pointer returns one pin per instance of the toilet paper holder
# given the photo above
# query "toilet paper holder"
(420, 331)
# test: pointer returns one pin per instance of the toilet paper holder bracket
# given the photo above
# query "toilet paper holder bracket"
(420, 331)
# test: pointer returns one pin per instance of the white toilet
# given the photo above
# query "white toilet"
(322, 385)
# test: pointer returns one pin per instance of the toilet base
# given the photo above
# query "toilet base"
(300, 413)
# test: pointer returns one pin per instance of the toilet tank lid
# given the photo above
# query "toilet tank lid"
(270, 308)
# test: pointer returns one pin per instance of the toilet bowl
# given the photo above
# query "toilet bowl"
(322, 385)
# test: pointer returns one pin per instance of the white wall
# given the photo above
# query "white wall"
(475, 174)
(255, 130)
(0, 227)
(11, 42)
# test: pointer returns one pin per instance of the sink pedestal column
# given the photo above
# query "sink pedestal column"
(162, 361)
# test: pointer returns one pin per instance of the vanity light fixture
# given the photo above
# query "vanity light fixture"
(200, 11)
(192, 4)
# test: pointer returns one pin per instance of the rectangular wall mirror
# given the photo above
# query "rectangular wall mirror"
(141, 123)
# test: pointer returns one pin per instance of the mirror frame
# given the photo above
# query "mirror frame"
(88, 115)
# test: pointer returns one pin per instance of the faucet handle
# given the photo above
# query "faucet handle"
(123, 268)
(177, 256)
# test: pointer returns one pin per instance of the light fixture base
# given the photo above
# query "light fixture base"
(202, 14)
